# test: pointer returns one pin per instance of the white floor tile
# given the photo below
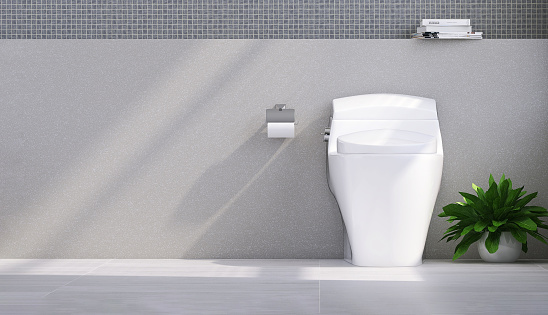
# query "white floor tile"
(270, 287)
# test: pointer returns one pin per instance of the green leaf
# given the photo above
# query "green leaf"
(463, 246)
(448, 235)
(509, 184)
(496, 203)
(536, 209)
(503, 192)
(491, 194)
(538, 236)
(499, 223)
(502, 212)
(514, 226)
(472, 198)
(479, 191)
(475, 187)
(492, 242)
(480, 225)
(525, 200)
(458, 211)
(524, 247)
(535, 219)
(467, 229)
(501, 179)
(513, 195)
(542, 225)
(491, 180)
(492, 228)
(475, 203)
(519, 235)
(452, 228)
(526, 223)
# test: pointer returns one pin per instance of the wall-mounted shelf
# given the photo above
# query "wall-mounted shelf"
(446, 29)
(420, 36)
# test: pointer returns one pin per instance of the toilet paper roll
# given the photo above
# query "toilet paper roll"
(281, 130)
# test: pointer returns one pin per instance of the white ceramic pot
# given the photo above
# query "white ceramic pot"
(509, 249)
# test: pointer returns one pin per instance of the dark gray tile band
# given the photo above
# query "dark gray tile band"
(262, 19)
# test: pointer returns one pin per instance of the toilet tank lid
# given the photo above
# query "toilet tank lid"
(384, 107)
(386, 141)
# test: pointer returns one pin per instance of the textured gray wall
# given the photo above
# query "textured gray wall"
(158, 149)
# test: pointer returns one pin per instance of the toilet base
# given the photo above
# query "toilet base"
(348, 256)
(386, 209)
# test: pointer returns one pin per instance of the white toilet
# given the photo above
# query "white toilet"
(385, 161)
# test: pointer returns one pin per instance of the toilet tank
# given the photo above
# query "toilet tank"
(384, 107)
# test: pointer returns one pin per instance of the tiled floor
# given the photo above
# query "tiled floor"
(270, 287)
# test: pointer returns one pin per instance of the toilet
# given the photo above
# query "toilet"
(385, 160)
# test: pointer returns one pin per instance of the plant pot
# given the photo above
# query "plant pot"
(509, 249)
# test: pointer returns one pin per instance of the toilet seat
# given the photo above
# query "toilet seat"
(386, 141)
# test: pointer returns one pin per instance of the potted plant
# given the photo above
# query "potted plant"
(498, 218)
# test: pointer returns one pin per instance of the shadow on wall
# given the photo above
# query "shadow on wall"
(86, 191)
(247, 208)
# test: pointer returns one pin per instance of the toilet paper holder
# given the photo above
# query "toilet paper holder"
(280, 122)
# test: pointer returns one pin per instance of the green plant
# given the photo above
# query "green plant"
(496, 210)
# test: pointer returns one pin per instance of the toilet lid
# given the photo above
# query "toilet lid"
(386, 141)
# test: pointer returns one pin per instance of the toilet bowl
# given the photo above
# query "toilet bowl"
(385, 160)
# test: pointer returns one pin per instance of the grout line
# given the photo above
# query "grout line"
(543, 269)
(85, 274)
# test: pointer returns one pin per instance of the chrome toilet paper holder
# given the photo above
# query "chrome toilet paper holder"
(280, 122)
(280, 114)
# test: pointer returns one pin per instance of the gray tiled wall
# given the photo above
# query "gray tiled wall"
(262, 19)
